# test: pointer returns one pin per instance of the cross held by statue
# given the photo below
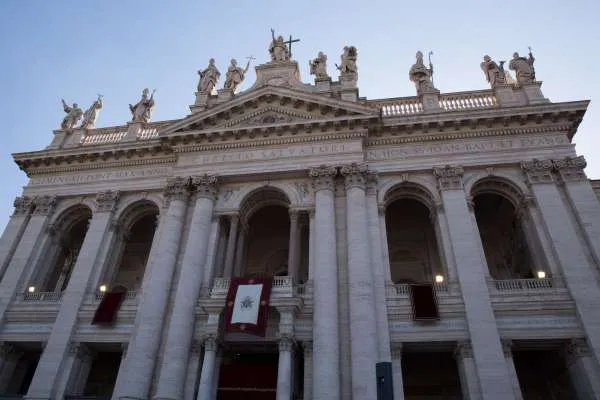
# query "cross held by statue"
(289, 43)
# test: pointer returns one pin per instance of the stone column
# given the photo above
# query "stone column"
(308, 365)
(311, 243)
(472, 271)
(211, 256)
(294, 245)
(363, 324)
(379, 276)
(384, 246)
(231, 245)
(443, 238)
(44, 381)
(24, 255)
(193, 370)
(207, 380)
(569, 246)
(507, 347)
(239, 253)
(14, 230)
(181, 327)
(583, 370)
(467, 372)
(326, 371)
(134, 380)
(284, 369)
(76, 371)
(397, 377)
(9, 357)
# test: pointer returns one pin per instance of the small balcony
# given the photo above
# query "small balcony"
(45, 297)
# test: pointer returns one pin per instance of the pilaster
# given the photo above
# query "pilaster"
(507, 346)
(396, 353)
(14, 230)
(467, 370)
(308, 369)
(583, 369)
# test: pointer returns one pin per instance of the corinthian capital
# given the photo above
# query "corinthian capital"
(44, 205)
(177, 188)
(107, 201)
(323, 177)
(23, 205)
(449, 178)
(571, 168)
(538, 171)
(205, 185)
(357, 175)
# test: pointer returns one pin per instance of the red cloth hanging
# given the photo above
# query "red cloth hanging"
(107, 310)
(424, 302)
(247, 305)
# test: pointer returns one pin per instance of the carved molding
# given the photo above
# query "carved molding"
(571, 168)
(449, 178)
(107, 201)
(538, 171)
(323, 177)
(205, 186)
(44, 205)
(286, 343)
(354, 175)
(177, 189)
(210, 343)
(23, 205)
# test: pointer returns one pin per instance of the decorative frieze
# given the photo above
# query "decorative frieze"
(205, 186)
(177, 189)
(23, 205)
(323, 177)
(571, 168)
(44, 205)
(107, 201)
(449, 178)
(538, 171)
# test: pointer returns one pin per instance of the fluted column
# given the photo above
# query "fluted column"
(570, 248)
(284, 369)
(134, 380)
(239, 253)
(472, 271)
(75, 371)
(363, 324)
(384, 245)
(294, 245)
(231, 246)
(207, 376)
(308, 373)
(14, 230)
(583, 369)
(193, 370)
(326, 371)
(467, 372)
(24, 256)
(179, 337)
(311, 244)
(397, 377)
(507, 347)
(44, 383)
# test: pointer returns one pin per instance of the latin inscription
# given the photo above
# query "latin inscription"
(98, 176)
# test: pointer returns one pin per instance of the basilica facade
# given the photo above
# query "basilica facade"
(450, 238)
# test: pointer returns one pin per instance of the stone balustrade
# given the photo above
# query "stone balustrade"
(283, 286)
(104, 135)
(398, 107)
(503, 285)
(129, 295)
(50, 297)
(474, 100)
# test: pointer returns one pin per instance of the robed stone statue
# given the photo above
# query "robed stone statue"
(421, 75)
(73, 116)
(494, 73)
(90, 115)
(318, 66)
(142, 111)
(235, 75)
(208, 77)
(278, 49)
(523, 68)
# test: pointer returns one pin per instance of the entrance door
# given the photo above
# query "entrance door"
(248, 376)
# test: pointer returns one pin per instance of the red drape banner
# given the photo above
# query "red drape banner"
(247, 305)
(424, 302)
(106, 313)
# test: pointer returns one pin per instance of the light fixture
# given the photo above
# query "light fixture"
(541, 274)
(31, 289)
(102, 288)
(439, 278)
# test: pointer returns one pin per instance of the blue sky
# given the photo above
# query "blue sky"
(76, 49)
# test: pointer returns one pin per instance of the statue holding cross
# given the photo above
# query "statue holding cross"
(278, 49)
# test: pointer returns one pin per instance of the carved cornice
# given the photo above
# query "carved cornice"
(205, 186)
(23, 205)
(100, 164)
(571, 168)
(44, 205)
(178, 188)
(538, 171)
(449, 178)
(323, 177)
(107, 201)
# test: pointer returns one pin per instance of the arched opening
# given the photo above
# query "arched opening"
(503, 238)
(412, 244)
(63, 251)
(132, 249)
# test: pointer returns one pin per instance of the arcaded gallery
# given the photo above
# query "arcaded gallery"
(295, 240)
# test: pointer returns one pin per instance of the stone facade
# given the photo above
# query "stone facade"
(347, 202)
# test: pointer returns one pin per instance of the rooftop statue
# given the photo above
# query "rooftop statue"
(279, 51)
(523, 68)
(142, 111)
(90, 115)
(318, 66)
(421, 75)
(348, 64)
(208, 77)
(73, 116)
(235, 75)
(494, 74)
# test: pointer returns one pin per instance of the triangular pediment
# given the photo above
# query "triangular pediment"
(269, 106)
